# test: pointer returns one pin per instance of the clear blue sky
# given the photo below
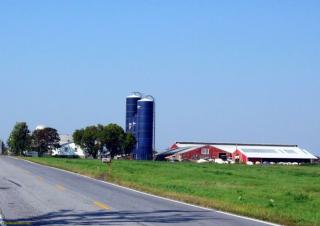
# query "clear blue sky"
(221, 71)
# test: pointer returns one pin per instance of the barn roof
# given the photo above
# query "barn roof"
(173, 151)
(276, 152)
(183, 143)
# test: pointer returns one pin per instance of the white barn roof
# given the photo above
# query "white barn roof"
(275, 152)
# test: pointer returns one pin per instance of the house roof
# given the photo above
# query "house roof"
(65, 139)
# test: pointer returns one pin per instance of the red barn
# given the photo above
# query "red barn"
(242, 153)
(202, 152)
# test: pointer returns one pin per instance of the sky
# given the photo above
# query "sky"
(221, 71)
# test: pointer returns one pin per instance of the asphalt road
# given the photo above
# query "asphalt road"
(32, 194)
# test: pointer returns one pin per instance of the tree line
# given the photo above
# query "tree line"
(95, 140)
(99, 139)
(41, 141)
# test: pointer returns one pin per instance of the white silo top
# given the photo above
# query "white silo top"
(135, 95)
(147, 98)
(40, 127)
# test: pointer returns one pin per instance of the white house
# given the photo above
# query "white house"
(68, 148)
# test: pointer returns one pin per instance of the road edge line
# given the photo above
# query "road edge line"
(148, 194)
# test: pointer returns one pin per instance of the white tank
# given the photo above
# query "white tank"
(40, 127)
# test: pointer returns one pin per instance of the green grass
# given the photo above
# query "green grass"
(288, 195)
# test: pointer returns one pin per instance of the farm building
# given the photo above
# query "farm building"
(68, 148)
(242, 153)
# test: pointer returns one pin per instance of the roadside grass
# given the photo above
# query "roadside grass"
(288, 195)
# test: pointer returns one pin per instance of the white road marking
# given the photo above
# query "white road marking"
(155, 196)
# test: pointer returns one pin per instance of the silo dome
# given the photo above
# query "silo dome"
(147, 98)
(135, 95)
(40, 127)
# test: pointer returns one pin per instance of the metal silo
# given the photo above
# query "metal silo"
(145, 128)
(131, 112)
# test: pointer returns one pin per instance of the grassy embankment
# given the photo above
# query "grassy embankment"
(288, 195)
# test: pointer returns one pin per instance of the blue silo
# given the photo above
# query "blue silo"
(131, 112)
(145, 129)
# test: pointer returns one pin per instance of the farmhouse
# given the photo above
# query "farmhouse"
(68, 148)
(242, 153)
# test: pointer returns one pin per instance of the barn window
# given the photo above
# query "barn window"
(204, 151)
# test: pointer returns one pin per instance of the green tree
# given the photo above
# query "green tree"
(129, 143)
(77, 136)
(112, 137)
(94, 138)
(45, 140)
(88, 139)
(19, 139)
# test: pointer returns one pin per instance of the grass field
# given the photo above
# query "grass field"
(288, 195)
